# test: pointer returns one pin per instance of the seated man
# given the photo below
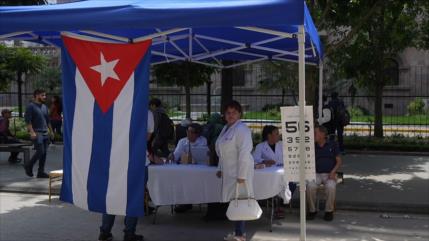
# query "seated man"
(328, 161)
(6, 137)
(193, 139)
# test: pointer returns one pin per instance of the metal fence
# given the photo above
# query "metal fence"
(405, 104)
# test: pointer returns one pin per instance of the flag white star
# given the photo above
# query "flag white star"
(106, 69)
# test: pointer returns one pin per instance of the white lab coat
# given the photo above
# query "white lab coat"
(234, 146)
(263, 152)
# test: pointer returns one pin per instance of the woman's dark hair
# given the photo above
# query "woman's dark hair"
(196, 127)
(269, 129)
(156, 102)
(233, 104)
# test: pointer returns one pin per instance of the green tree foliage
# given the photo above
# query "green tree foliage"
(49, 80)
(184, 74)
(6, 73)
(24, 62)
(364, 35)
(21, 2)
(280, 75)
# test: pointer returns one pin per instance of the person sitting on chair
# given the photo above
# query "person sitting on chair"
(328, 161)
(193, 139)
(270, 151)
(6, 136)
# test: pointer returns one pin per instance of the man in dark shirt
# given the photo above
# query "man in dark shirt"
(37, 120)
(6, 136)
(328, 161)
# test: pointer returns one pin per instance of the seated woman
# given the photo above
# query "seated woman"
(270, 151)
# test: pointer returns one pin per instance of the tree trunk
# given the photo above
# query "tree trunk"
(283, 96)
(19, 79)
(188, 101)
(226, 85)
(310, 85)
(379, 76)
(294, 96)
(378, 111)
(209, 102)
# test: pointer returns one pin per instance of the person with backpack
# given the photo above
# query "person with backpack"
(163, 131)
(340, 119)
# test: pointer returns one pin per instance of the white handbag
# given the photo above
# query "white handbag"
(243, 209)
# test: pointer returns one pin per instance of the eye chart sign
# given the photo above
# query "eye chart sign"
(291, 139)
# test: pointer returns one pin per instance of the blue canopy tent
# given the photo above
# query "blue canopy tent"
(204, 31)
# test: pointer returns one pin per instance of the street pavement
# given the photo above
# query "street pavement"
(395, 188)
(371, 182)
(29, 217)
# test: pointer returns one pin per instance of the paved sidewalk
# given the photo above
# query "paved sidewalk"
(372, 182)
(28, 217)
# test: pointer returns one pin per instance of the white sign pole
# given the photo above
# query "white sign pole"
(301, 75)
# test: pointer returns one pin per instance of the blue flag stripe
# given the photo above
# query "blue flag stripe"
(69, 97)
(138, 135)
(98, 176)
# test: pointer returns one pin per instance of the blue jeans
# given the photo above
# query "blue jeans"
(108, 221)
(41, 144)
(239, 228)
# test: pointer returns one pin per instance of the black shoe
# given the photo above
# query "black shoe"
(42, 175)
(133, 237)
(311, 215)
(105, 237)
(14, 160)
(182, 208)
(28, 171)
(329, 216)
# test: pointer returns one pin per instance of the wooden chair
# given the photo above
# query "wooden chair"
(54, 176)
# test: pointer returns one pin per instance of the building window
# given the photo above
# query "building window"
(391, 72)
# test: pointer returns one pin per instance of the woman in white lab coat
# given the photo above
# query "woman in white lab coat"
(234, 146)
(270, 151)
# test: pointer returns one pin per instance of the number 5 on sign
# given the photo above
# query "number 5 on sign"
(291, 140)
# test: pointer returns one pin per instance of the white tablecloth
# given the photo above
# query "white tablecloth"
(195, 184)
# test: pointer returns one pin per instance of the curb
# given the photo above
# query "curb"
(377, 207)
(396, 153)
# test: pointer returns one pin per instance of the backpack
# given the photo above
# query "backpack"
(165, 126)
(342, 116)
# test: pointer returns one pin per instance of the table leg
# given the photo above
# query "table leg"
(49, 190)
(272, 214)
(154, 214)
(26, 156)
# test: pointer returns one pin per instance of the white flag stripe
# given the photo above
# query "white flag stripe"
(81, 141)
(116, 198)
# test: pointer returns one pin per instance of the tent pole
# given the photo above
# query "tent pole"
(302, 157)
(320, 89)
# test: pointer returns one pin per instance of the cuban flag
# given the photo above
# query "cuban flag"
(105, 92)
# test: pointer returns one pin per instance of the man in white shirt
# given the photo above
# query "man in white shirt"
(193, 139)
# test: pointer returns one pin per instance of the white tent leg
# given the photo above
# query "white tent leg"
(302, 186)
(320, 107)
